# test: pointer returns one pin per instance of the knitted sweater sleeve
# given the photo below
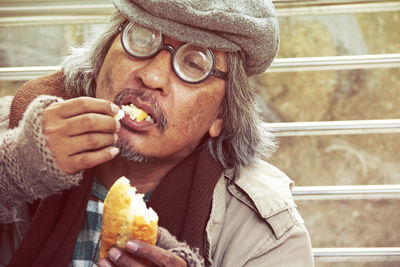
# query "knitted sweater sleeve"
(169, 242)
(27, 168)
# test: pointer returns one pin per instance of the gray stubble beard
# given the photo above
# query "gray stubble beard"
(129, 152)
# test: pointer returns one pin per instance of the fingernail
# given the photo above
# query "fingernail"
(114, 254)
(104, 263)
(114, 151)
(114, 109)
(132, 246)
(117, 125)
(115, 138)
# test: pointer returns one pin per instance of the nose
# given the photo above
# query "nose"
(157, 72)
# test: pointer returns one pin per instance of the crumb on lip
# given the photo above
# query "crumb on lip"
(119, 115)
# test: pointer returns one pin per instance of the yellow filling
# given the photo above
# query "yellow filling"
(135, 113)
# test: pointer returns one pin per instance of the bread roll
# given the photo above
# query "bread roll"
(126, 216)
(119, 115)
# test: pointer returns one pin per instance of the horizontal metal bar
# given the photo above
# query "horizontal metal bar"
(51, 20)
(343, 192)
(292, 3)
(13, 13)
(335, 7)
(25, 73)
(34, 13)
(334, 127)
(279, 65)
(335, 63)
(54, 8)
(356, 254)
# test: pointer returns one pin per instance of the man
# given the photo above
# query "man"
(196, 153)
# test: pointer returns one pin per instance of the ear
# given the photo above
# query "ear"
(215, 128)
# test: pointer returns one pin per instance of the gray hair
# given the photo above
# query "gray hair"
(83, 64)
(243, 138)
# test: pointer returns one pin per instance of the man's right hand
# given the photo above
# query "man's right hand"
(81, 132)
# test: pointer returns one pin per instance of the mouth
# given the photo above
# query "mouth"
(137, 114)
(136, 119)
(141, 111)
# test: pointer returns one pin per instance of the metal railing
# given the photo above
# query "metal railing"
(25, 73)
(279, 65)
(13, 13)
(319, 7)
(16, 13)
(364, 254)
(345, 192)
(335, 63)
(334, 127)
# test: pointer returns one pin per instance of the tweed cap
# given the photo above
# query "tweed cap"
(249, 26)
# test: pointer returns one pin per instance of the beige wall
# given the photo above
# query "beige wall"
(340, 95)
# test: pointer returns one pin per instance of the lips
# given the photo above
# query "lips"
(136, 119)
(137, 114)
(141, 109)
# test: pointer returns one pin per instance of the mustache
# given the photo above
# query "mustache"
(146, 97)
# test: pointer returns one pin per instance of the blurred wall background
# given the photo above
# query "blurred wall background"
(366, 94)
(360, 94)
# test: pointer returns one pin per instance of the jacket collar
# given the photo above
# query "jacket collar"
(263, 188)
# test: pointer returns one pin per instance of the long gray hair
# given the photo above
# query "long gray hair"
(243, 138)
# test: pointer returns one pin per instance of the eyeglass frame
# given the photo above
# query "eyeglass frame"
(213, 72)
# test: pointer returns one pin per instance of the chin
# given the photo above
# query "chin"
(128, 151)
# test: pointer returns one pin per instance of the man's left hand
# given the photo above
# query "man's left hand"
(136, 250)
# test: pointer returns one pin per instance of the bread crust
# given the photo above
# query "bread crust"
(118, 226)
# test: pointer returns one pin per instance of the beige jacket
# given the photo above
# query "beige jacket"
(253, 221)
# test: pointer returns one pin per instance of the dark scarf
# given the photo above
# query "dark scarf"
(182, 200)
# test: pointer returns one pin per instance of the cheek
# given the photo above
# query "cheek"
(109, 73)
(105, 84)
(200, 113)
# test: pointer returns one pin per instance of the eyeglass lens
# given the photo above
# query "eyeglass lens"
(192, 64)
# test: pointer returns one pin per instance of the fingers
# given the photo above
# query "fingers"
(86, 160)
(90, 122)
(90, 142)
(82, 123)
(139, 253)
(106, 262)
(82, 105)
(81, 132)
(120, 258)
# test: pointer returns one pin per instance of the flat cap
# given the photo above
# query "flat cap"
(248, 26)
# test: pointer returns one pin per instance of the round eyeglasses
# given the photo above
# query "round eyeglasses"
(191, 63)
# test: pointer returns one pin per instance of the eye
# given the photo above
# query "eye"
(143, 37)
(194, 62)
(141, 41)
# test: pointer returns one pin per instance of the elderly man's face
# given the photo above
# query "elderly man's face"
(183, 113)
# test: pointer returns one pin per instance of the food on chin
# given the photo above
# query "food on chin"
(126, 216)
(136, 113)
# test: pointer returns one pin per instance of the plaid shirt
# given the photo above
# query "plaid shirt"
(86, 252)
